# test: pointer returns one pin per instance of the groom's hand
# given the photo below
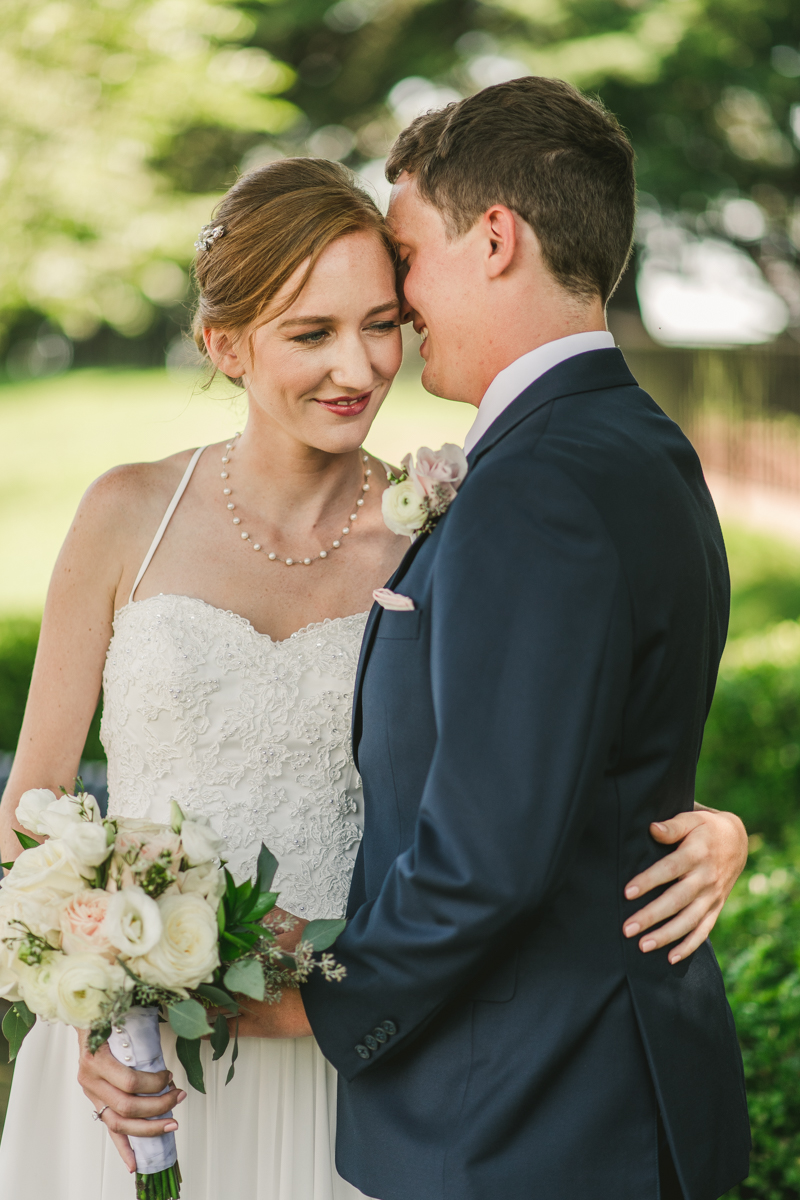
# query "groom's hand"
(710, 858)
(111, 1086)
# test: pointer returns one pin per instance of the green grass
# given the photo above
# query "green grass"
(60, 434)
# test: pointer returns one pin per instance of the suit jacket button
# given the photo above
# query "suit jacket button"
(390, 1028)
(369, 1040)
(380, 1034)
(362, 1051)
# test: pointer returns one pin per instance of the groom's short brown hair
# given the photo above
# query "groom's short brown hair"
(554, 156)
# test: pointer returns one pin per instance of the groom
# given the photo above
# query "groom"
(496, 1037)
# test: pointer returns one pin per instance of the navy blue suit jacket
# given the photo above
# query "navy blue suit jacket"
(496, 1035)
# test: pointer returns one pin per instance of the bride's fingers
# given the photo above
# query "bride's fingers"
(123, 1149)
(103, 1066)
(697, 921)
(102, 1093)
(129, 1127)
(673, 900)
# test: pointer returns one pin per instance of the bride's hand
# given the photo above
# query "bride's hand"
(110, 1085)
(708, 861)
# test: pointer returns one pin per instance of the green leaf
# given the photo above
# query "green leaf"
(220, 1037)
(188, 1051)
(188, 1019)
(234, 1056)
(247, 978)
(6, 866)
(27, 843)
(262, 906)
(267, 866)
(17, 1024)
(221, 917)
(322, 934)
(218, 997)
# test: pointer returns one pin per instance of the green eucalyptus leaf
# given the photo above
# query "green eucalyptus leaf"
(217, 996)
(188, 1019)
(17, 1024)
(234, 1056)
(188, 1051)
(247, 978)
(323, 933)
(27, 843)
(220, 1037)
(267, 866)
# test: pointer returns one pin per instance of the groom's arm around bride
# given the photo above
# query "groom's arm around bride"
(543, 703)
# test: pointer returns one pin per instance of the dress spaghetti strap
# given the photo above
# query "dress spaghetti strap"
(173, 504)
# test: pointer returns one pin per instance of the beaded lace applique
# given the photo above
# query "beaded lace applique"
(201, 708)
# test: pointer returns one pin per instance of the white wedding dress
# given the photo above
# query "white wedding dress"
(202, 709)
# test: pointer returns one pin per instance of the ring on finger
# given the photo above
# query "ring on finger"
(98, 1116)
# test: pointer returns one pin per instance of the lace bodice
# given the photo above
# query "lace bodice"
(201, 708)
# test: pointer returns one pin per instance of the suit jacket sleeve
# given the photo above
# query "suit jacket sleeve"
(530, 658)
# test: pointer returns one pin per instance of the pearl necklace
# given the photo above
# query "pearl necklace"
(272, 556)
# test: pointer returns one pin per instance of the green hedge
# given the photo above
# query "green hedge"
(18, 640)
(757, 940)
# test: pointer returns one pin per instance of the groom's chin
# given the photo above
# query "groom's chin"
(437, 386)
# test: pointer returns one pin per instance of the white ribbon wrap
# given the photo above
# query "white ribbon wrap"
(137, 1044)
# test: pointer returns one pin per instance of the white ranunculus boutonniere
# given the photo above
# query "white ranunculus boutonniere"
(423, 491)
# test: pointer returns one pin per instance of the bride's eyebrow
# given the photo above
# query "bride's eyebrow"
(389, 306)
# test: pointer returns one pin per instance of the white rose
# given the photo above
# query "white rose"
(88, 843)
(37, 986)
(48, 872)
(9, 985)
(200, 841)
(58, 816)
(188, 951)
(31, 806)
(83, 982)
(133, 922)
(207, 881)
(19, 913)
(403, 507)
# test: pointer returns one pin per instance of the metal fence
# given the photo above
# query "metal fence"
(740, 408)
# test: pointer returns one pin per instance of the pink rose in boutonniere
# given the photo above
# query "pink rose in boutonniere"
(423, 491)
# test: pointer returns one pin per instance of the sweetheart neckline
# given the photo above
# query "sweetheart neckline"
(227, 612)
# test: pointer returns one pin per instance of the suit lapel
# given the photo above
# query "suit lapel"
(369, 638)
(592, 371)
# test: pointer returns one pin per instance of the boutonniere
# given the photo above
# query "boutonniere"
(419, 496)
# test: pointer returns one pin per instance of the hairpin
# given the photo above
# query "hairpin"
(208, 235)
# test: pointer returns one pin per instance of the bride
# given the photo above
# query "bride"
(226, 646)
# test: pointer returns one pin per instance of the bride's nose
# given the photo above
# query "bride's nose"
(353, 367)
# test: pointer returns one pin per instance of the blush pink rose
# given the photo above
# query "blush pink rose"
(443, 469)
(82, 919)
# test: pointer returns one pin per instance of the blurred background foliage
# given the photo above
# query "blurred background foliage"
(123, 120)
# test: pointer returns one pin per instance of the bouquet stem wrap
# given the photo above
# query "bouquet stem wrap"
(137, 1044)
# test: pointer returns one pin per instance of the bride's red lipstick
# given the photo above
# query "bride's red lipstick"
(346, 406)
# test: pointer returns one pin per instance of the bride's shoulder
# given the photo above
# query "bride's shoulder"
(129, 495)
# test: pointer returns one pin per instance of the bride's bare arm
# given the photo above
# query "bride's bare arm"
(76, 630)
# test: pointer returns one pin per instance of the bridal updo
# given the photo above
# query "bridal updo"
(271, 221)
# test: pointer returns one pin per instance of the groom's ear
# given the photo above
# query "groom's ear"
(500, 237)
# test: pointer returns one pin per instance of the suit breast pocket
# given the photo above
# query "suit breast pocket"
(400, 625)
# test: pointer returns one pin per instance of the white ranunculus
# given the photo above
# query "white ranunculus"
(37, 986)
(133, 922)
(21, 913)
(83, 982)
(187, 953)
(88, 843)
(207, 881)
(31, 806)
(48, 873)
(403, 507)
(201, 843)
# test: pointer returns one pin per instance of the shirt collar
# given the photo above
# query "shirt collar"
(520, 374)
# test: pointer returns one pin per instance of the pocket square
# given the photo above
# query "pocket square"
(393, 601)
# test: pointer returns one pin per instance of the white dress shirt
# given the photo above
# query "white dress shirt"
(520, 374)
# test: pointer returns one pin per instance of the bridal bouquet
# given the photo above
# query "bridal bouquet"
(111, 922)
